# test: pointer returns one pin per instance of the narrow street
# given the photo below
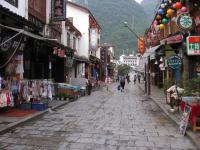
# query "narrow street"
(106, 120)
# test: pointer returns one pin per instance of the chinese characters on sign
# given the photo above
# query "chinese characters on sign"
(59, 52)
(185, 22)
(193, 45)
(58, 10)
(93, 39)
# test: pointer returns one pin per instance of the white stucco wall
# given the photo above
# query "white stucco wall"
(81, 22)
(21, 10)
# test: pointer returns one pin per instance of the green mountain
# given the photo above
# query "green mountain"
(150, 7)
(111, 15)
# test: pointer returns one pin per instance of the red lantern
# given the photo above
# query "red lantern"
(178, 5)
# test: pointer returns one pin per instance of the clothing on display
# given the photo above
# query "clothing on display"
(6, 99)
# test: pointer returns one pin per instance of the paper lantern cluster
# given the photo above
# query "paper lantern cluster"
(166, 10)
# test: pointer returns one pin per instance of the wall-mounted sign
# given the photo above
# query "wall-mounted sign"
(174, 62)
(193, 45)
(185, 22)
(93, 39)
(58, 10)
(59, 52)
(172, 40)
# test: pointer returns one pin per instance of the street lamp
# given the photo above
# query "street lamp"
(134, 32)
(147, 66)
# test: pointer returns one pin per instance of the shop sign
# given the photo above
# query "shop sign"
(174, 62)
(184, 119)
(59, 52)
(172, 40)
(58, 10)
(185, 22)
(193, 45)
(93, 39)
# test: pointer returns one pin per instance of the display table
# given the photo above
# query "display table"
(194, 113)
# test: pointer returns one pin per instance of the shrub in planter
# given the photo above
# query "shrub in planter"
(192, 87)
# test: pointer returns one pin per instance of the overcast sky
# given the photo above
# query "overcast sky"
(139, 1)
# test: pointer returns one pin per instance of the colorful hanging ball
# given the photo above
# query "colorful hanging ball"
(178, 5)
(160, 11)
(165, 1)
(169, 12)
(158, 17)
(162, 5)
(184, 9)
(174, 6)
(164, 21)
(162, 26)
(155, 22)
(170, 1)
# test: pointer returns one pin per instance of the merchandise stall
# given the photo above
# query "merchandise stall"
(66, 91)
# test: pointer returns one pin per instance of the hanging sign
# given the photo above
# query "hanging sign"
(193, 45)
(174, 62)
(185, 22)
(172, 39)
(58, 10)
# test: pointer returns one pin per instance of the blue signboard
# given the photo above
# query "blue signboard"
(174, 62)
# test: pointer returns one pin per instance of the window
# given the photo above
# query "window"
(13, 2)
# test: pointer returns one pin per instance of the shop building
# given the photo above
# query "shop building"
(87, 63)
(169, 35)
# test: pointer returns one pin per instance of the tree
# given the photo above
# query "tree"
(123, 69)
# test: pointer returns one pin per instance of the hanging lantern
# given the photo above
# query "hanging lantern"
(184, 9)
(160, 11)
(162, 26)
(169, 12)
(165, 21)
(178, 5)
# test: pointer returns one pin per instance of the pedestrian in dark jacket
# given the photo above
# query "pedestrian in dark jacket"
(89, 87)
(122, 83)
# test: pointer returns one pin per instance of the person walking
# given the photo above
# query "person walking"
(139, 78)
(128, 78)
(135, 78)
(107, 81)
(122, 83)
(89, 87)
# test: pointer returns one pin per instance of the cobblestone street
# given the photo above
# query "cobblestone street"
(106, 120)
